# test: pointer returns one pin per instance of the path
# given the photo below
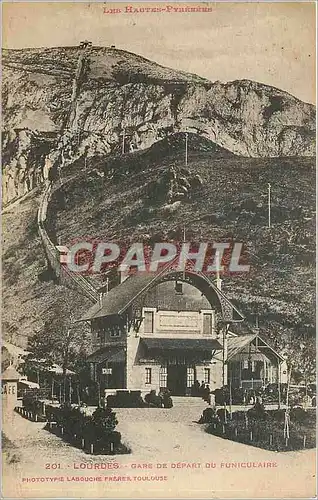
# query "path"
(156, 436)
(12, 204)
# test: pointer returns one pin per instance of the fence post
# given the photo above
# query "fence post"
(83, 443)
(111, 447)
(270, 439)
(92, 448)
(251, 435)
(304, 441)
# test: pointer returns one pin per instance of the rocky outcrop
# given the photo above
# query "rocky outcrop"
(90, 102)
(26, 161)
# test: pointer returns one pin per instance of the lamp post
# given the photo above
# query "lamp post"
(186, 148)
(224, 333)
(279, 382)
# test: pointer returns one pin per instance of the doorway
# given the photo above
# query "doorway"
(115, 379)
(177, 380)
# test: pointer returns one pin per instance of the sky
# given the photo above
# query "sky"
(272, 43)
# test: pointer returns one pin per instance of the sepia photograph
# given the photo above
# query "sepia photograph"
(158, 250)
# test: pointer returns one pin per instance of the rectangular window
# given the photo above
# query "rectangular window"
(190, 376)
(271, 375)
(115, 331)
(102, 337)
(148, 321)
(178, 288)
(245, 364)
(163, 373)
(207, 375)
(207, 324)
(148, 376)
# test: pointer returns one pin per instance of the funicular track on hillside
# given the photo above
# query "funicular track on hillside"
(62, 273)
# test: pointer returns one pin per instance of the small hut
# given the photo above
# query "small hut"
(9, 389)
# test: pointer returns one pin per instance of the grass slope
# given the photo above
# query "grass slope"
(28, 296)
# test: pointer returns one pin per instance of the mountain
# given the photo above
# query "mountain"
(81, 100)
(70, 107)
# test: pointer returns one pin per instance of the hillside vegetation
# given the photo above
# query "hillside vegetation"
(126, 200)
(30, 297)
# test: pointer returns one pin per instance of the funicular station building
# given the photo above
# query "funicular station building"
(166, 330)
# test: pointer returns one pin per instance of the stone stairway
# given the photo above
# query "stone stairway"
(188, 401)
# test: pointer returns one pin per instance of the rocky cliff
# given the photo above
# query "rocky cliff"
(63, 103)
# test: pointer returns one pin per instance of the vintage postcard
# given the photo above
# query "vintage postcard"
(158, 250)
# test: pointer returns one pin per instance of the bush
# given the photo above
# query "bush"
(267, 432)
(32, 404)
(257, 412)
(208, 416)
(97, 429)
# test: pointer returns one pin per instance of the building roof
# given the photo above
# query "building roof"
(236, 345)
(123, 295)
(29, 384)
(58, 370)
(111, 354)
(14, 350)
(10, 374)
(183, 344)
(253, 356)
(119, 298)
(44, 366)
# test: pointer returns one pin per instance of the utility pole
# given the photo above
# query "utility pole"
(279, 387)
(123, 143)
(186, 149)
(223, 356)
(269, 205)
(184, 239)
(224, 382)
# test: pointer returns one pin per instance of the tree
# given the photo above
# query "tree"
(61, 340)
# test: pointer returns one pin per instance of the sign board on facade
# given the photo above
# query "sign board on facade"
(106, 371)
